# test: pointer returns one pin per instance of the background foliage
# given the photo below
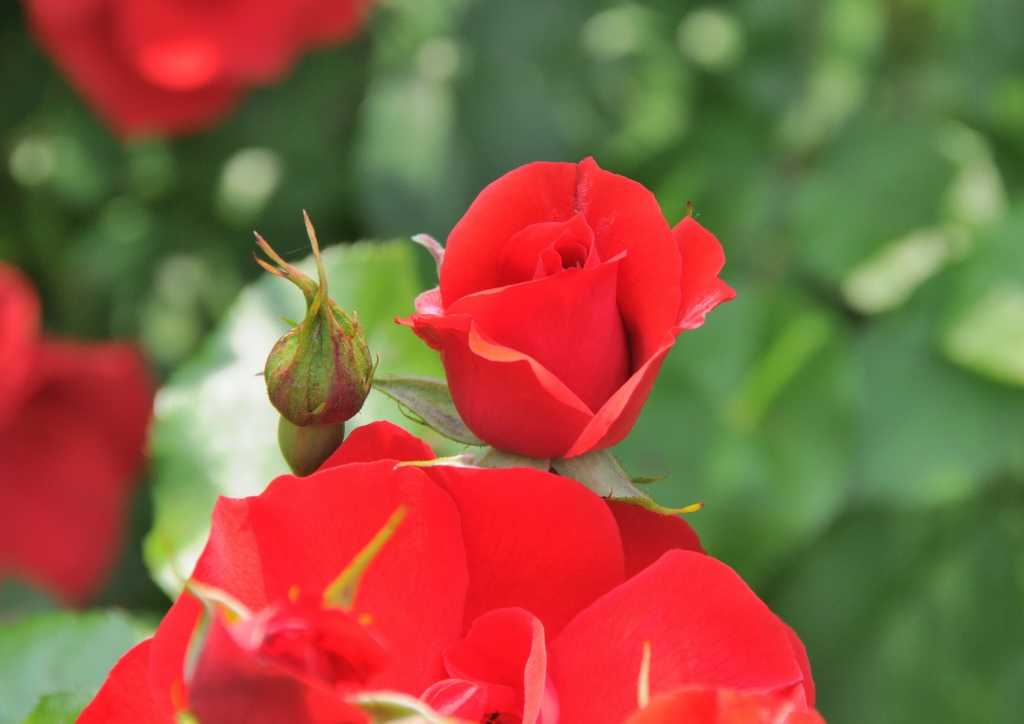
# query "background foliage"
(854, 422)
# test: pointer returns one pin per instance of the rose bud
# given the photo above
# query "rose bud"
(319, 373)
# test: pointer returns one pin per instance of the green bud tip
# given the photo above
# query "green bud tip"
(320, 372)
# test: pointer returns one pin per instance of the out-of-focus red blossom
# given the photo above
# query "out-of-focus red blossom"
(562, 291)
(73, 421)
(173, 66)
(508, 595)
(723, 706)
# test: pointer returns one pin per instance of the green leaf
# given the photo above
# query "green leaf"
(65, 653)
(984, 329)
(930, 431)
(494, 458)
(215, 432)
(920, 608)
(59, 708)
(602, 473)
(429, 402)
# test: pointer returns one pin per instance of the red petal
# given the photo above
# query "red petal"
(806, 693)
(68, 466)
(625, 216)
(505, 647)
(379, 440)
(703, 259)
(617, 416)
(166, 678)
(83, 45)
(124, 697)
(647, 535)
(722, 706)
(231, 685)
(533, 540)
(569, 323)
(530, 194)
(506, 397)
(19, 334)
(304, 532)
(704, 625)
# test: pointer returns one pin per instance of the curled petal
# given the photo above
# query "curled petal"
(702, 260)
(502, 394)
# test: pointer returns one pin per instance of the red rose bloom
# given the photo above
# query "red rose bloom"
(73, 421)
(507, 595)
(562, 290)
(722, 706)
(174, 66)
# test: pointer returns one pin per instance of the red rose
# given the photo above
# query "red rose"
(504, 595)
(722, 706)
(73, 421)
(174, 66)
(562, 290)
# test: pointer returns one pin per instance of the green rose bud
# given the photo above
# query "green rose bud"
(320, 372)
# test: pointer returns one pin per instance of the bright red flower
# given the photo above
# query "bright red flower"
(504, 596)
(174, 66)
(73, 420)
(722, 706)
(562, 290)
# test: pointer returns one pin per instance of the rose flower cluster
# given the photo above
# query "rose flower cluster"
(389, 584)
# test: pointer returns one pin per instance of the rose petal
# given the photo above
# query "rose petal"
(501, 394)
(124, 697)
(806, 691)
(702, 260)
(722, 706)
(69, 464)
(704, 625)
(533, 540)
(569, 323)
(519, 257)
(625, 216)
(83, 45)
(647, 535)
(232, 684)
(19, 335)
(617, 416)
(530, 194)
(179, 46)
(379, 440)
(505, 647)
(304, 532)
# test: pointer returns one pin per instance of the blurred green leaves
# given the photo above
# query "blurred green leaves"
(52, 663)
(215, 431)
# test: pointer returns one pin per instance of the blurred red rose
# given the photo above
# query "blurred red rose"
(173, 66)
(73, 421)
(722, 706)
(506, 595)
(562, 290)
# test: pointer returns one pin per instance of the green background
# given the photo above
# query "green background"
(853, 422)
